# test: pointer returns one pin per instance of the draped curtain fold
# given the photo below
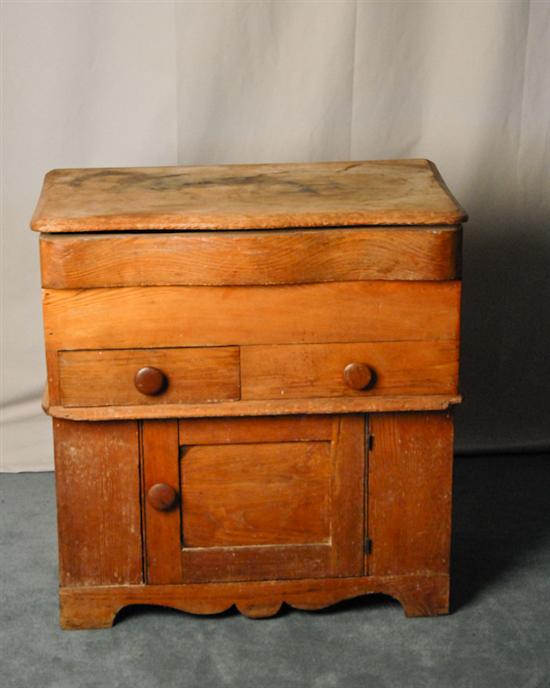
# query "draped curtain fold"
(466, 84)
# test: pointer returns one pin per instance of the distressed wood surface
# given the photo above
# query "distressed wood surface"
(262, 493)
(98, 502)
(258, 510)
(421, 595)
(269, 523)
(388, 192)
(248, 258)
(233, 507)
(326, 509)
(252, 563)
(410, 493)
(133, 317)
(317, 370)
(347, 496)
(211, 374)
(162, 533)
(436, 402)
(239, 430)
(106, 377)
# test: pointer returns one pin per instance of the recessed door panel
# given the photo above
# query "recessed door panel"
(257, 498)
(274, 493)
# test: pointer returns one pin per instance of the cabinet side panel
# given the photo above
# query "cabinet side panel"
(98, 501)
(409, 493)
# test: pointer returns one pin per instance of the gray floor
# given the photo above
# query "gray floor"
(498, 634)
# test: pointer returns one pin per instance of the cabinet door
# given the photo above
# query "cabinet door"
(254, 498)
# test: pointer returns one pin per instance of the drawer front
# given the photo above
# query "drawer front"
(149, 376)
(336, 370)
(97, 339)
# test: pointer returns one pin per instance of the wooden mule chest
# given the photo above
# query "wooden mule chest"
(251, 371)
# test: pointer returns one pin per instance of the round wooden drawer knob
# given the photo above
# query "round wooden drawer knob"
(358, 375)
(150, 381)
(162, 497)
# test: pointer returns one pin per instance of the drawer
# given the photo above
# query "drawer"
(90, 332)
(353, 369)
(166, 376)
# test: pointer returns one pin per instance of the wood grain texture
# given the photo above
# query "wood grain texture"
(253, 563)
(253, 511)
(436, 402)
(249, 258)
(348, 490)
(296, 499)
(424, 595)
(241, 430)
(389, 192)
(151, 317)
(269, 493)
(162, 531)
(317, 370)
(257, 510)
(98, 504)
(106, 377)
(242, 473)
(133, 317)
(409, 493)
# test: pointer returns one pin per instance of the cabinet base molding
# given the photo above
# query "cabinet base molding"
(96, 606)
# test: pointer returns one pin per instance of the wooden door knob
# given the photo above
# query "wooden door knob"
(150, 381)
(162, 497)
(358, 375)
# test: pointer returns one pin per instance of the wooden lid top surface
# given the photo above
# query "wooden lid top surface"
(274, 196)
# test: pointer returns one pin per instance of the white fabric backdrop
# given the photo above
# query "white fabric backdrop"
(466, 84)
